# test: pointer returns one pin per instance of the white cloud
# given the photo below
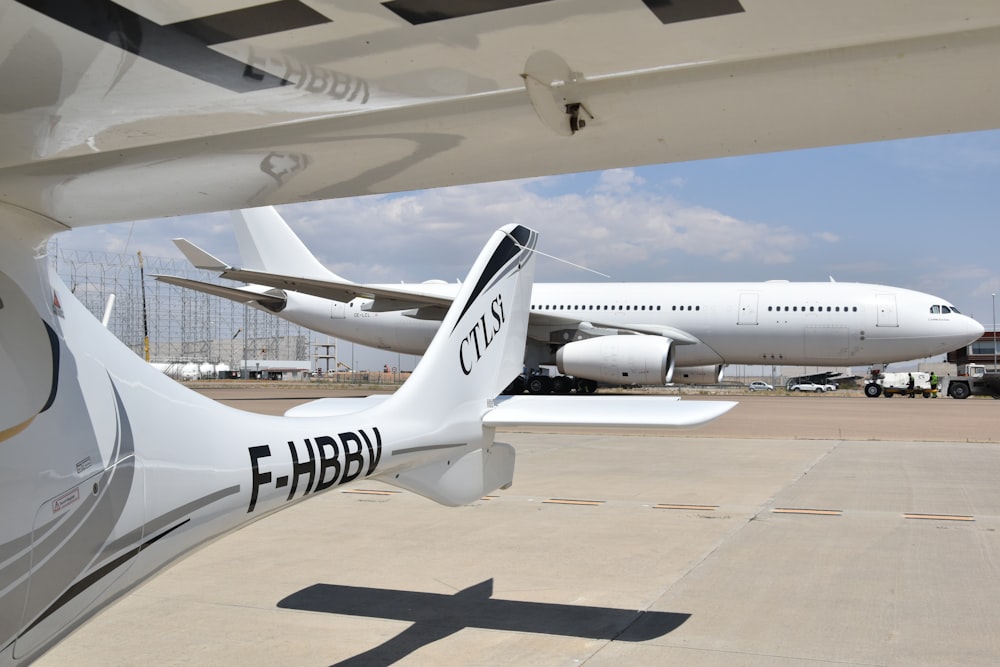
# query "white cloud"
(619, 180)
(617, 228)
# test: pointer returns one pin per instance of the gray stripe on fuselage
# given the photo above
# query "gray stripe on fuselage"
(427, 448)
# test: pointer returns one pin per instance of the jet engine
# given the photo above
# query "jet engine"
(698, 374)
(642, 360)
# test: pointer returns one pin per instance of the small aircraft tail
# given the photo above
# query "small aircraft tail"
(268, 244)
(476, 352)
(479, 347)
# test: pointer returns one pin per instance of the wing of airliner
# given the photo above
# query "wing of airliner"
(384, 298)
(273, 300)
(122, 111)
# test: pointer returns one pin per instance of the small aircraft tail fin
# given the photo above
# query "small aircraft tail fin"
(479, 347)
(476, 352)
(268, 244)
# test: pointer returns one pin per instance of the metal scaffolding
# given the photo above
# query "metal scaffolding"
(183, 325)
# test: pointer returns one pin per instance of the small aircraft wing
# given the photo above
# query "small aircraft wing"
(618, 412)
(273, 300)
(201, 109)
(386, 298)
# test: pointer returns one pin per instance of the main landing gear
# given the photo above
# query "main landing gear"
(543, 384)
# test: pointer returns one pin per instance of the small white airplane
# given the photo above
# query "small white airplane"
(116, 111)
(152, 469)
(620, 333)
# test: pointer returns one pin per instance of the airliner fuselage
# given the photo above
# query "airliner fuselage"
(776, 322)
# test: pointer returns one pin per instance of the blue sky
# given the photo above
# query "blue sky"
(918, 213)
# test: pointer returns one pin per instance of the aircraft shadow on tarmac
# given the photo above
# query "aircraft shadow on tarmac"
(435, 616)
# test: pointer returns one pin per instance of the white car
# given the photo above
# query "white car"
(812, 386)
(757, 385)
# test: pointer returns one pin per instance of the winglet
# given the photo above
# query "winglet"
(200, 258)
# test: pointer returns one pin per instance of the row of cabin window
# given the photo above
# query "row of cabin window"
(812, 309)
(613, 308)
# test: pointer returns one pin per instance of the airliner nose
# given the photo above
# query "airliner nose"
(974, 329)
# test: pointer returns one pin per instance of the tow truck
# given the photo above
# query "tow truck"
(972, 380)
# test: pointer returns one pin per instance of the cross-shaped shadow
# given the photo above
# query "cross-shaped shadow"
(435, 616)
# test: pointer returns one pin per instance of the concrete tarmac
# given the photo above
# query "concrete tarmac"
(795, 530)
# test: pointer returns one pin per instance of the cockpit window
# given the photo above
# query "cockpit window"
(935, 310)
(945, 309)
(954, 309)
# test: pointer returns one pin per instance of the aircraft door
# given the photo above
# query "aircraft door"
(886, 310)
(748, 308)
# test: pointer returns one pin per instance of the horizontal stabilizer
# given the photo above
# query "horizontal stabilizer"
(273, 301)
(201, 259)
(332, 407)
(626, 412)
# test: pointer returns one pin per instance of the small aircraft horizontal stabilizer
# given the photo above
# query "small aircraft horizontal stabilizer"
(619, 412)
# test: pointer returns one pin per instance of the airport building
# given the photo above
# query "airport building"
(982, 351)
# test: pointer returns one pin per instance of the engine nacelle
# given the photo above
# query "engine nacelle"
(698, 374)
(643, 360)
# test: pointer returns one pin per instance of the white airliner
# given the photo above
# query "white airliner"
(621, 333)
(115, 111)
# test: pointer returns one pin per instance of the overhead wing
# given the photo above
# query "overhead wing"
(273, 299)
(218, 106)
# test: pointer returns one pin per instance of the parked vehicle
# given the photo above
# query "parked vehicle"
(812, 386)
(972, 380)
(757, 385)
(911, 383)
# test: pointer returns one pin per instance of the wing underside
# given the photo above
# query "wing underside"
(272, 300)
(224, 105)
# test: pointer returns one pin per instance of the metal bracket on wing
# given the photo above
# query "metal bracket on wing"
(554, 91)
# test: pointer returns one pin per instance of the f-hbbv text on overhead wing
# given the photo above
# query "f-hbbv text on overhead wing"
(122, 111)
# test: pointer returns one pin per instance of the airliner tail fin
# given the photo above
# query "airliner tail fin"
(267, 243)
